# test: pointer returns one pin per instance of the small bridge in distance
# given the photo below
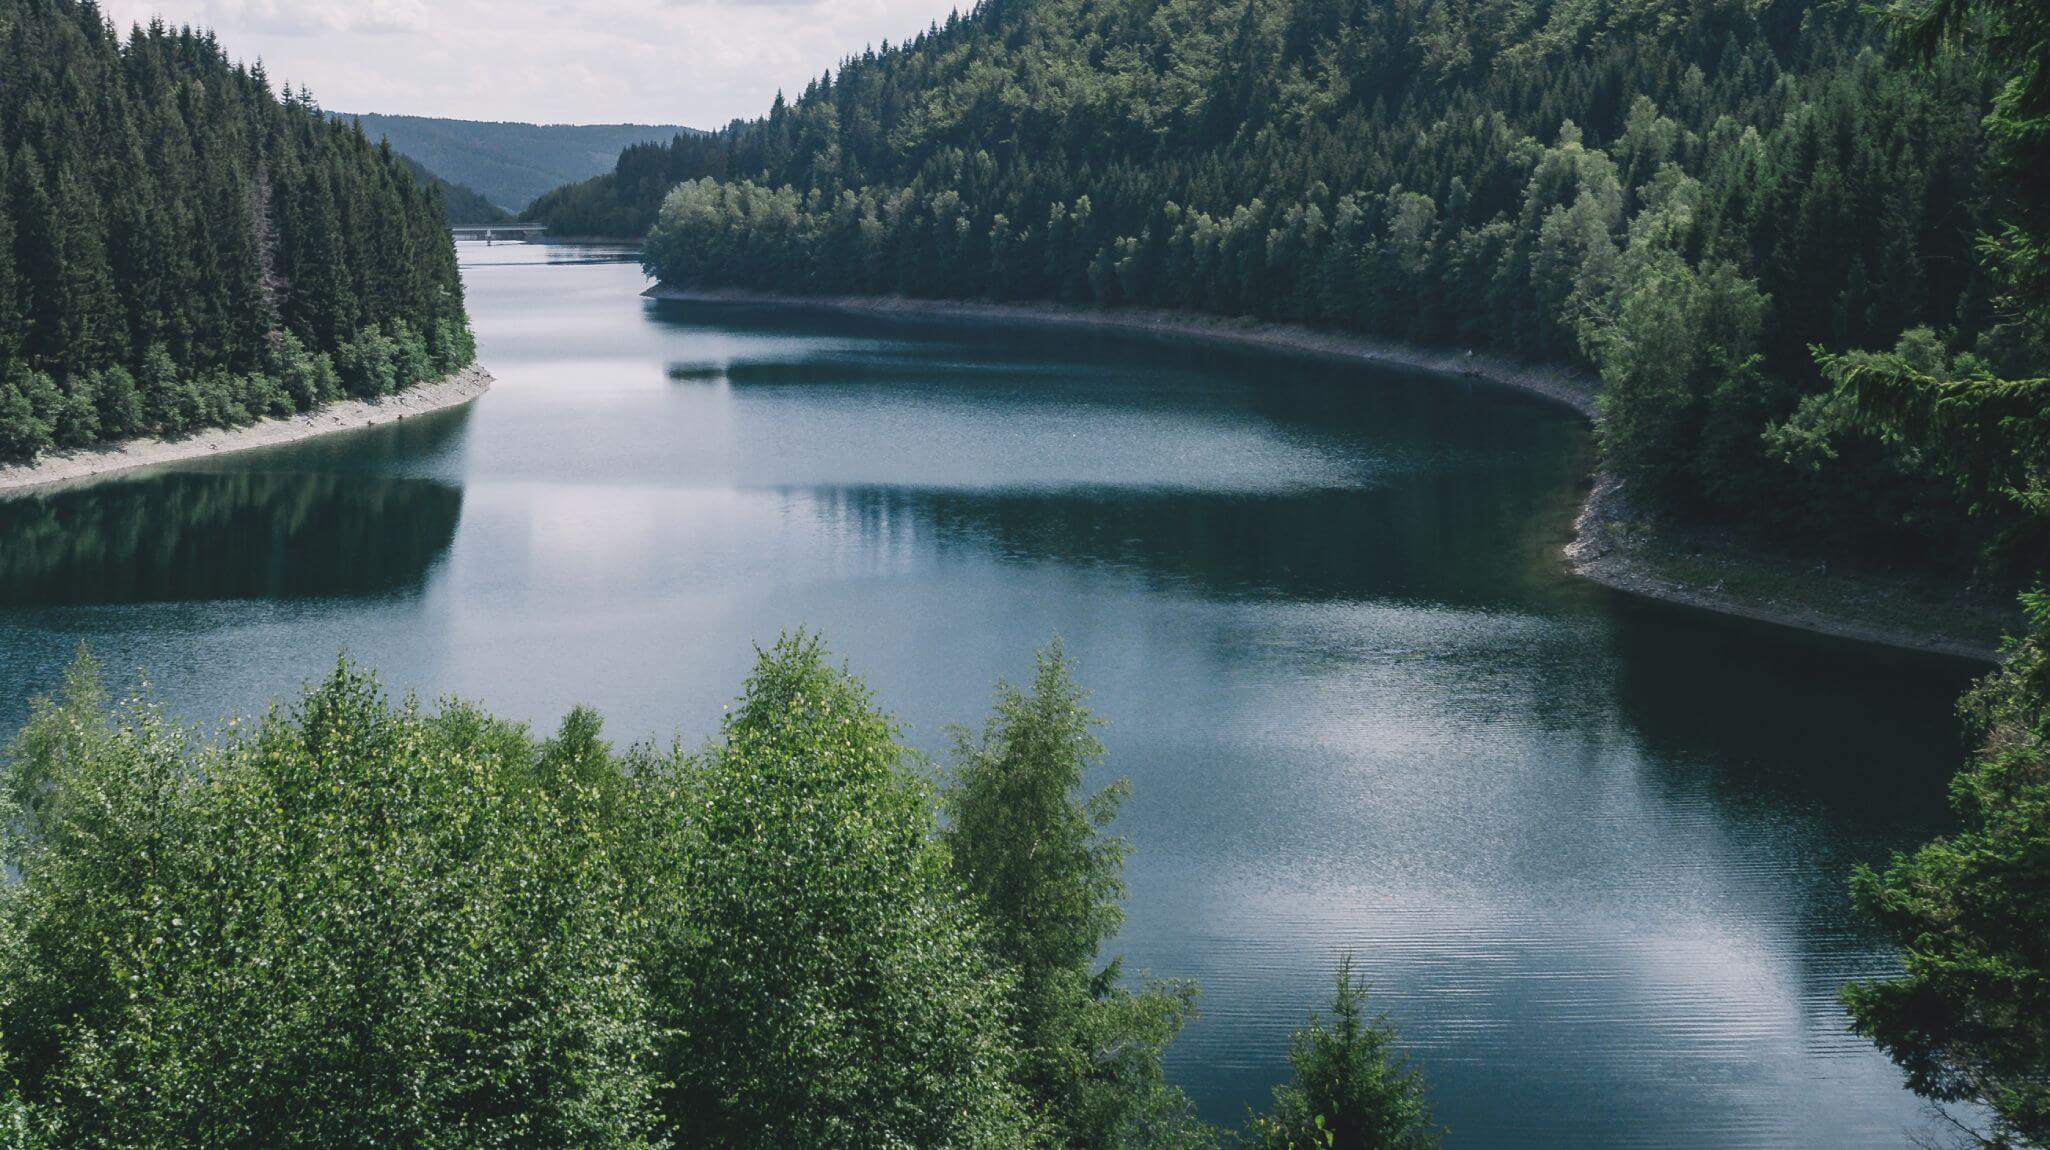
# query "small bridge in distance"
(489, 232)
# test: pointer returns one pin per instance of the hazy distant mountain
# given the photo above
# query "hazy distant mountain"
(510, 164)
(466, 206)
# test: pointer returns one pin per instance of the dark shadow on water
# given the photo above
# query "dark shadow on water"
(194, 536)
(429, 445)
(1800, 717)
(911, 346)
(1436, 539)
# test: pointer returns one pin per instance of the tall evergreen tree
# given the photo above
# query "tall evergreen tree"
(1969, 1018)
(1348, 1089)
(175, 229)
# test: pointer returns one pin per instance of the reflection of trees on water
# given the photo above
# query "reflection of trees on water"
(1435, 539)
(1762, 754)
(427, 444)
(1776, 719)
(236, 535)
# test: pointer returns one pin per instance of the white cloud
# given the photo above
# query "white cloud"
(698, 62)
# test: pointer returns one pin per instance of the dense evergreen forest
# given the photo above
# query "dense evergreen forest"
(182, 248)
(1686, 198)
(365, 924)
(624, 201)
(462, 204)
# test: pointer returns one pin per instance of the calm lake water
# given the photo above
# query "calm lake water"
(1591, 852)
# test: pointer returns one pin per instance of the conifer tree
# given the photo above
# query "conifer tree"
(168, 221)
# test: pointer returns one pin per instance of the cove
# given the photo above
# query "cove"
(1590, 851)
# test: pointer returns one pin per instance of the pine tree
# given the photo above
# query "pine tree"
(168, 220)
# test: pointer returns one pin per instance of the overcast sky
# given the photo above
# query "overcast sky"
(694, 62)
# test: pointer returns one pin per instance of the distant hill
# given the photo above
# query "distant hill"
(511, 164)
(466, 206)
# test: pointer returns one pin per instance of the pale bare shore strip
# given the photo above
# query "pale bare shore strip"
(1575, 389)
(1605, 548)
(452, 390)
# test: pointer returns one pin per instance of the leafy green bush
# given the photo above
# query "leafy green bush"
(829, 989)
(364, 923)
(24, 430)
(1969, 1017)
(355, 925)
(120, 404)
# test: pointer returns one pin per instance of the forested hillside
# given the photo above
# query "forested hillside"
(1685, 198)
(509, 163)
(623, 202)
(463, 204)
(180, 248)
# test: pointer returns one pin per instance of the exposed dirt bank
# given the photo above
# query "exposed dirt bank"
(64, 466)
(1611, 545)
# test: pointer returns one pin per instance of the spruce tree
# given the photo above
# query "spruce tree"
(168, 219)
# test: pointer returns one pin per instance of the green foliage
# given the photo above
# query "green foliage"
(829, 989)
(2010, 39)
(623, 202)
(1350, 1089)
(1982, 413)
(363, 923)
(1969, 1019)
(509, 164)
(25, 410)
(1031, 852)
(356, 925)
(167, 223)
(1681, 197)
(463, 205)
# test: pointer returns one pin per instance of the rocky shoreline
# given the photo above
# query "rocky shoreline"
(452, 390)
(1610, 545)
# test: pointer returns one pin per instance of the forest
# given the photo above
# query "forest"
(181, 247)
(1804, 245)
(360, 922)
(506, 162)
(1689, 200)
(462, 204)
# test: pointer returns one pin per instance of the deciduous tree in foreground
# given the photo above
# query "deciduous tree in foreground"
(367, 923)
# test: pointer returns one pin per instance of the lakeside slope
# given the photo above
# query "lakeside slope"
(1611, 545)
(452, 390)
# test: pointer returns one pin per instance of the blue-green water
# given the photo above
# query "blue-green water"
(1591, 852)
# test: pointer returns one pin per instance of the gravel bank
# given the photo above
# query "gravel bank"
(65, 466)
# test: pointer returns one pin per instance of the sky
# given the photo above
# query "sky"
(695, 62)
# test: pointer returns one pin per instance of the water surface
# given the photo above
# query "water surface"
(1591, 852)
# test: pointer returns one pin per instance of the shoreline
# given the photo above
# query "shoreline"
(55, 467)
(1618, 549)
(1609, 546)
(1566, 386)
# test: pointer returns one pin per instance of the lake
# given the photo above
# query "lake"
(1591, 852)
